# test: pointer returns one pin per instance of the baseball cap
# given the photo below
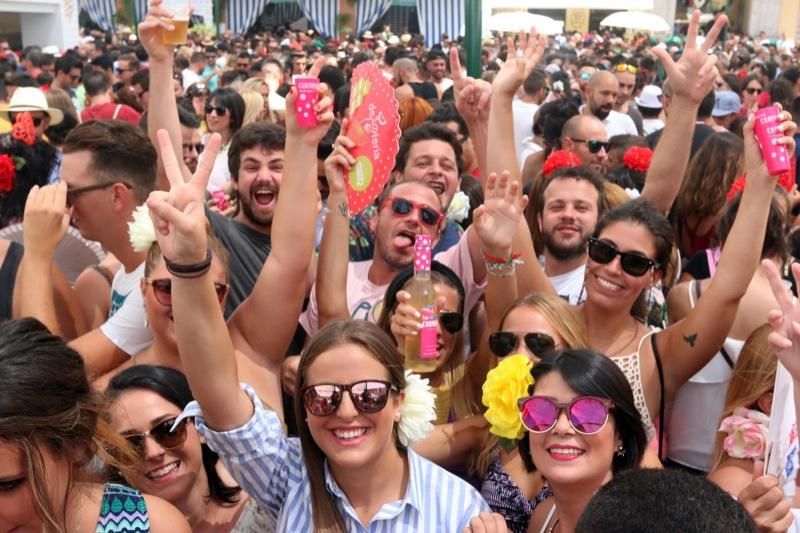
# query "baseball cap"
(726, 103)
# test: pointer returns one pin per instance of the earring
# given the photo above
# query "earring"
(397, 417)
(620, 451)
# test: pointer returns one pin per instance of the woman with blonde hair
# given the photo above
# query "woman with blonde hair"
(253, 106)
(262, 88)
(748, 404)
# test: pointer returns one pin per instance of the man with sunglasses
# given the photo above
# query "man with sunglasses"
(68, 71)
(586, 137)
(100, 104)
(601, 98)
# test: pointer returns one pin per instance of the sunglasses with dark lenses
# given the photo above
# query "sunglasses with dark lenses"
(162, 290)
(218, 109)
(503, 343)
(594, 146)
(368, 396)
(401, 207)
(162, 434)
(586, 414)
(633, 264)
(189, 147)
(73, 194)
(754, 90)
(37, 121)
(451, 322)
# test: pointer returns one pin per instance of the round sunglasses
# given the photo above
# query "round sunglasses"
(633, 264)
(503, 343)
(587, 415)
(368, 396)
(402, 207)
(162, 433)
(162, 290)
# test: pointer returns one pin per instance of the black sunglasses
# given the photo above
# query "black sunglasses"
(633, 264)
(218, 109)
(190, 147)
(451, 322)
(73, 194)
(503, 343)
(37, 121)
(402, 207)
(594, 146)
(754, 90)
(162, 290)
(162, 433)
(368, 396)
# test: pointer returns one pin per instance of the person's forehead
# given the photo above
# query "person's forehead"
(592, 131)
(625, 77)
(418, 192)
(431, 148)
(262, 154)
(75, 169)
(571, 189)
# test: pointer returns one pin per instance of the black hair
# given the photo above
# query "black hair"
(445, 274)
(550, 120)
(188, 117)
(447, 112)
(173, 387)
(341, 100)
(142, 79)
(471, 186)
(646, 500)
(256, 134)
(333, 77)
(534, 83)
(38, 162)
(706, 106)
(590, 373)
(325, 146)
(575, 173)
(95, 83)
(233, 102)
(775, 244)
(66, 63)
(425, 132)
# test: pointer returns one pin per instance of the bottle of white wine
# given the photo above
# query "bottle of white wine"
(421, 348)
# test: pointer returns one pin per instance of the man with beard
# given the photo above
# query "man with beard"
(586, 137)
(571, 202)
(436, 65)
(601, 98)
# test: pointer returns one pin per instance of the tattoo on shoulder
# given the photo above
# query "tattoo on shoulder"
(690, 339)
(342, 210)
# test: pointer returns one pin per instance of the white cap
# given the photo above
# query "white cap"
(650, 97)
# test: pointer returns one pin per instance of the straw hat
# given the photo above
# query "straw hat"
(31, 99)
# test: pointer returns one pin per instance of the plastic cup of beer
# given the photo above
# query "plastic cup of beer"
(180, 22)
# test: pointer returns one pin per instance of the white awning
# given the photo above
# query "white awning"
(606, 5)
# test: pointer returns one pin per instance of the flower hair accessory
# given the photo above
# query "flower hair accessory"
(459, 207)
(505, 384)
(9, 165)
(747, 433)
(418, 411)
(637, 158)
(784, 180)
(23, 129)
(559, 159)
(141, 231)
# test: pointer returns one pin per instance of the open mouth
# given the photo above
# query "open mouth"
(436, 186)
(162, 472)
(264, 197)
(608, 284)
(565, 453)
(405, 239)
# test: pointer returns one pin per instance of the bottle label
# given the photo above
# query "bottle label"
(427, 335)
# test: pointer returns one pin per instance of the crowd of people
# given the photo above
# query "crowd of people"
(198, 333)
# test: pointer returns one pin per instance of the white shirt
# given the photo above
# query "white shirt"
(126, 326)
(190, 77)
(523, 124)
(570, 285)
(443, 85)
(617, 123)
(527, 149)
(650, 125)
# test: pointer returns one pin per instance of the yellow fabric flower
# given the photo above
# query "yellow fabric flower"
(509, 381)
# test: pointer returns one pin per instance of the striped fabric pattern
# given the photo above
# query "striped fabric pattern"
(368, 12)
(141, 9)
(270, 467)
(101, 12)
(243, 13)
(322, 15)
(122, 510)
(440, 16)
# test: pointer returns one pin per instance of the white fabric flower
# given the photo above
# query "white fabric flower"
(141, 231)
(459, 207)
(418, 410)
(633, 194)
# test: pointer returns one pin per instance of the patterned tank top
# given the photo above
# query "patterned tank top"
(629, 364)
(122, 509)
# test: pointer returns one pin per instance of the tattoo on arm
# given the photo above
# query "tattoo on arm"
(342, 210)
(690, 339)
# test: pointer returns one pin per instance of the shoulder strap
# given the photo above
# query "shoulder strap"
(726, 356)
(116, 111)
(549, 518)
(660, 370)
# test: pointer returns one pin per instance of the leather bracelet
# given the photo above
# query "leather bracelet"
(189, 271)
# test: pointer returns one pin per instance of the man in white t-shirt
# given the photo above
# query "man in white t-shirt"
(534, 91)
(436, 64)
(601, 98)
(193, 73)
(571, 202)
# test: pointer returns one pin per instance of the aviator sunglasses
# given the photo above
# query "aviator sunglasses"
(162, 433)
(503, 343)
(401, 207)
(586, 414)
(633, 264)
(162, 290)
(368, 396)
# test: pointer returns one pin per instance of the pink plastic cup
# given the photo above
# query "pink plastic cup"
(776, 156)
(306, 100)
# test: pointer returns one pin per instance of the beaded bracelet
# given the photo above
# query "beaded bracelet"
(189, 271)
(501, 268)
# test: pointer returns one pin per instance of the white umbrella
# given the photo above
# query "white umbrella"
(521, 20)
(636, 20)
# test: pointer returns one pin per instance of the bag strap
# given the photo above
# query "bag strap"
(661, 406)
(116, 111)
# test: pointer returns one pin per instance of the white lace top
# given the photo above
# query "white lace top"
(629, 364)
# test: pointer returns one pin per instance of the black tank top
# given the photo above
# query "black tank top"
(425, 90)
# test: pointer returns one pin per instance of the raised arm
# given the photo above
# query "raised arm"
(162, 111)
(691, 79)
(277, 297)
(472, 102)
(689, 344)
(331, 290)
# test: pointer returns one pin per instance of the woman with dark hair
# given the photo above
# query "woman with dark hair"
(51, 427)
(583, 428)
(224, 114)
(174, 464)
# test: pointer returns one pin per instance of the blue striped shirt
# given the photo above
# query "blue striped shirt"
(269, 466)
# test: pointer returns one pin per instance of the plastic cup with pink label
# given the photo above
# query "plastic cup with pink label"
(306, 99)
(776, 156)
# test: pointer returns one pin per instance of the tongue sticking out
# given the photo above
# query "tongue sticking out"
(404, 241)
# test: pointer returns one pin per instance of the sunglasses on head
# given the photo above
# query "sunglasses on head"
(633, 264)
(189, 147)
(622, 67)
(162, 290)
(503, 343)
(218, 109)
(451, 322)
(594, 146)
(754, 90)
(169, 440)
(586, 414)
(402, 207)
(368, 396)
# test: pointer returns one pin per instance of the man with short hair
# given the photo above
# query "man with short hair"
(701, 131)
(193, 73)
(586, 137)
(409, 85)
(100, 104)
(436, 65)
(190, 138)
(626, 78)
(534, 91)
(68, 71)
(602, 95)
(140, 85)
(726, 109)
(127, 66)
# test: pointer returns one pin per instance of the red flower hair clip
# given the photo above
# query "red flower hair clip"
(784, 180)
(637, 158)
(24, 130)
(559, 159)
(8, 172)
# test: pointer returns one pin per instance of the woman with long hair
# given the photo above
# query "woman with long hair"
(224, 115)
(173, 463)
(51, 427)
